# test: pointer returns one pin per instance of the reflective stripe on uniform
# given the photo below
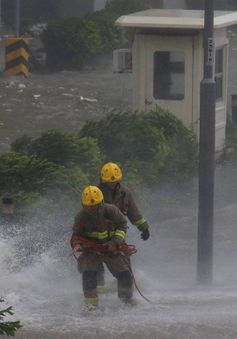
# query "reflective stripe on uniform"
(120, 234)
(100, 288)
(125, 289)
(100, 235)
(106, 235)
(139, 222)
(91, 301)
(124, 292)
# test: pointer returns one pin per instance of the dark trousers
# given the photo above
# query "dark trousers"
(118, 265)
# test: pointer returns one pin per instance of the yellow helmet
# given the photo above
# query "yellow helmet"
(110, 172)
(91, 196)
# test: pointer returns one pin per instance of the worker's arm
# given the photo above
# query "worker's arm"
(136, 218)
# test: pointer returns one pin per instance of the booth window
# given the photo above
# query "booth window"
(219, 73)
(168, 75)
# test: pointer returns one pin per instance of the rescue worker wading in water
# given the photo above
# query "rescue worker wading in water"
(103, 224)
(114, 193)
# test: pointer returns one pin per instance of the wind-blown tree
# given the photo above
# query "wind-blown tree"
(63, 149)
(74, 42)
(8, 327)
(19, 172)
(22, 144)
(50, 171)
(71, 42)
(156, 143)
(111, 35)
(66, 149)
(122, 7)
(40, 185)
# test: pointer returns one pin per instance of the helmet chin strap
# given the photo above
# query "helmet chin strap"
(113, 188)
(97, 212)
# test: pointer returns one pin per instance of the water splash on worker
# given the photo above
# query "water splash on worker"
(39, 277)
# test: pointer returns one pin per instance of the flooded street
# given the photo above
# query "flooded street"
(62, 100)
(47, 296)
(45, 291)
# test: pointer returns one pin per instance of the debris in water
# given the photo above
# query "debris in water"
(88, 99)
(67, 94)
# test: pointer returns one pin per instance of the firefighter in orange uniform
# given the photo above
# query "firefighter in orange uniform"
(103, 224)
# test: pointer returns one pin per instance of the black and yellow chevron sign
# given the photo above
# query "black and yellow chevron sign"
(16, 56)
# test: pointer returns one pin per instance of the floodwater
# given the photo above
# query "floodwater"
(62, 100)
(40, 279)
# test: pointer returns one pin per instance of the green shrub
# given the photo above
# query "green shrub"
(22, 144)
(111, 35)
(38, 184)
(156, 143)
(19, 172)
(49, 172)
(66, 149)
(122, 7)
(231, 135)
(182, 159)
(59, 202)
(230, 150)
(90, 157)
(72, 42)
(126, 136)
(27, 173)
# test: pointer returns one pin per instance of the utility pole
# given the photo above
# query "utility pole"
(17, 18)
(207, 152)
(1, 18)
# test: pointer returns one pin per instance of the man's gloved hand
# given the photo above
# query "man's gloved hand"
(76, 248)
(111, 246)
(145, 234)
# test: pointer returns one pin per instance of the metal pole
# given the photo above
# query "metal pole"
(207, 152)
(1, 17)
(17, 18)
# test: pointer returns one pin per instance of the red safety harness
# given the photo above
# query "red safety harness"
(123, 248)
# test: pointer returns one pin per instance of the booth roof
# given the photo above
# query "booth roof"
(163, 18)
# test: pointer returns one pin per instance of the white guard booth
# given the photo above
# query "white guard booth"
(168, 63)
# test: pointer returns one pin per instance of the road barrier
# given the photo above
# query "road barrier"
(17, 56)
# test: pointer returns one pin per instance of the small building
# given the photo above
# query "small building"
(168, 63)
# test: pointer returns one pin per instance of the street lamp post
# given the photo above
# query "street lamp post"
(17, 18)
(1, 17)
(207, 152)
